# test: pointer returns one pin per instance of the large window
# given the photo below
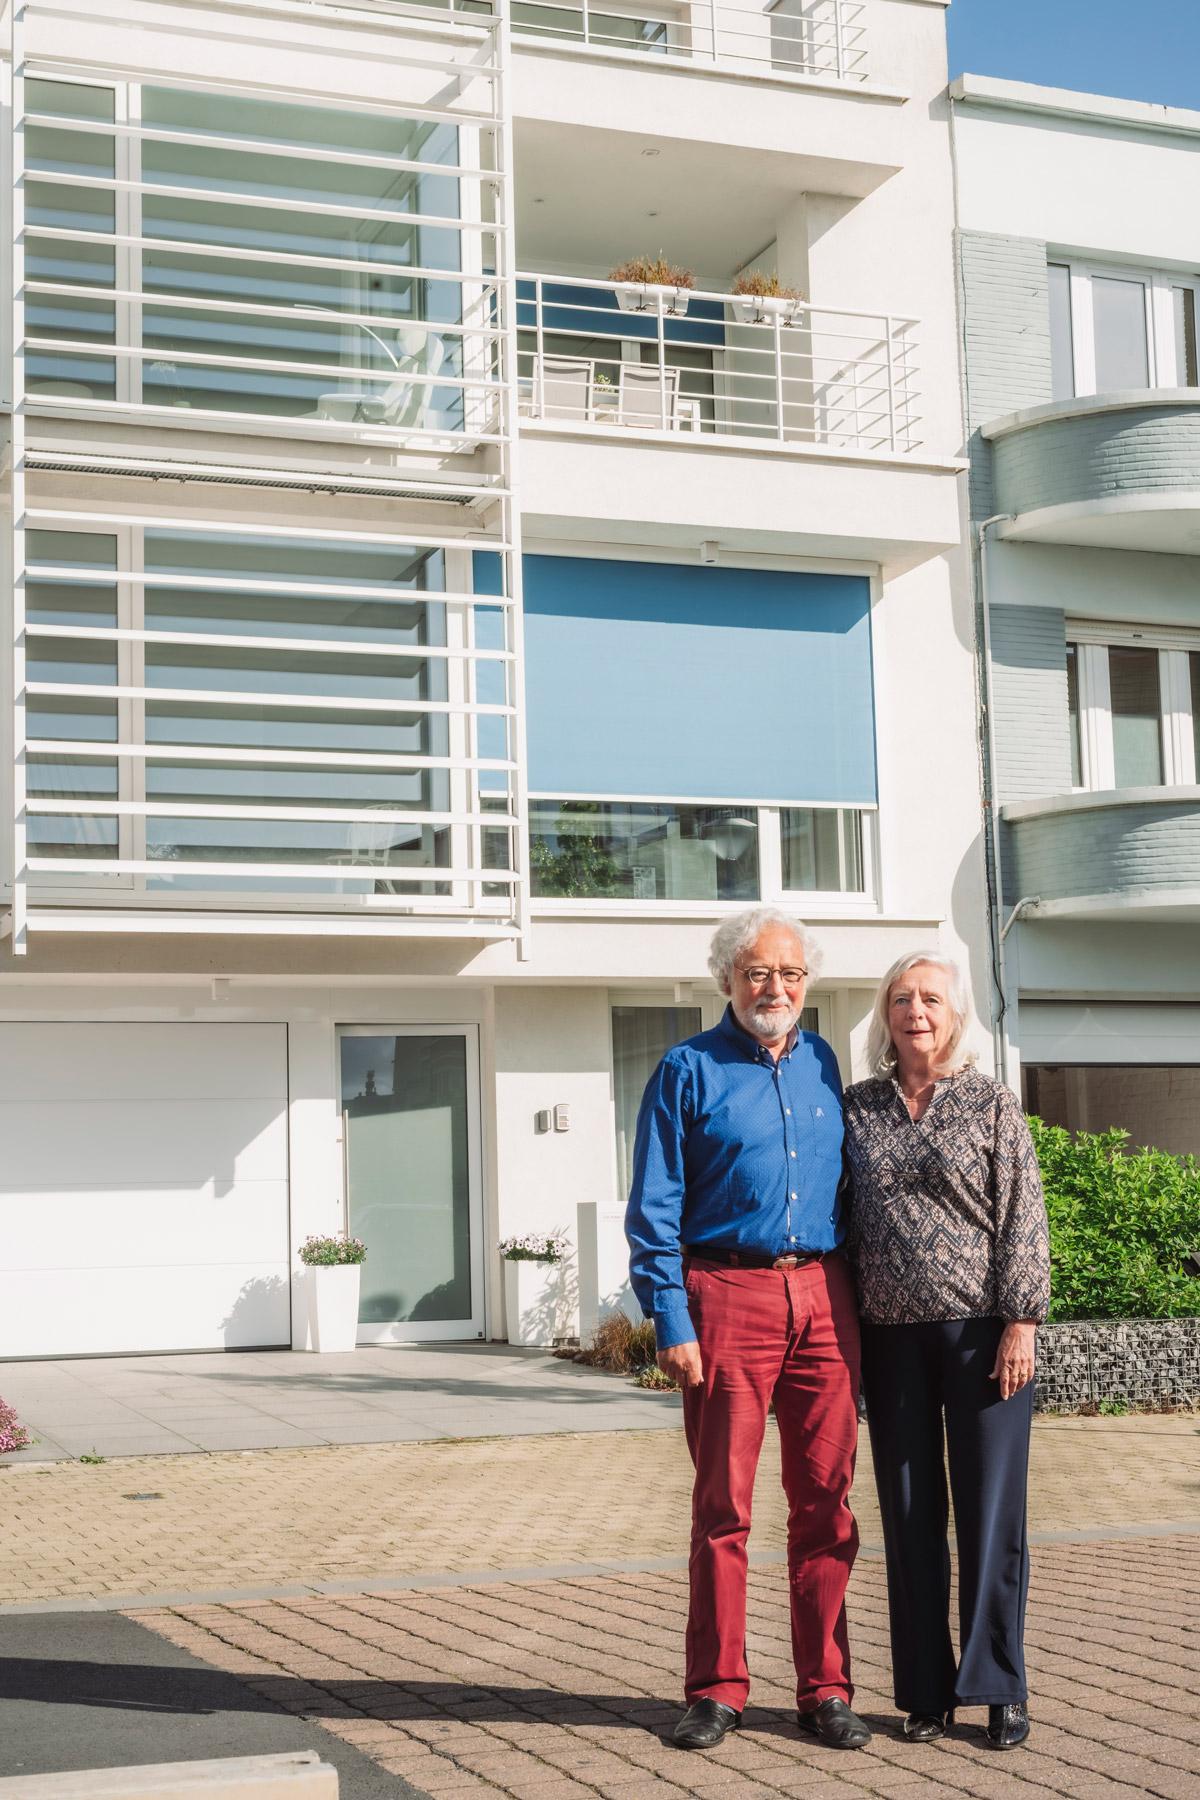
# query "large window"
(1158, 1106)
(1134, 708)
(228, 255)
(211, 699)
(1116, 328)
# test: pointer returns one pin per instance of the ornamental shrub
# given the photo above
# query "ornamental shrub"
(1121, 1224)
(323, 1252)
(13, 1435)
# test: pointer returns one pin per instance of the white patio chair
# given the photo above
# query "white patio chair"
(643, 392)
(403, 401)
(562, 387)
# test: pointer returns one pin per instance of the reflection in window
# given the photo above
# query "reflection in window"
(634, 850)
(1136, 707)
(1073, 715)
(823, 849)
(1183, 312)
(641, 1037)
(1062, 352)
(1158, 1106)
(1119, 314)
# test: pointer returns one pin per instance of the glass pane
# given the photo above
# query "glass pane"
(641, 1037)
(1157, 1106)
(1119, 312)
(1062, 353)
(70, 100)
(404, 1108)
(1183, 304)
(1073, 715)
(822, 849)
(594, 849)
(1194, 673)
(1136, 708)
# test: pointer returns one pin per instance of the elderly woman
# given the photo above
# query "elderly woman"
(950, 1246)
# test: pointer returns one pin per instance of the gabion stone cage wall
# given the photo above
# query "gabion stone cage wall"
(1144, 1362)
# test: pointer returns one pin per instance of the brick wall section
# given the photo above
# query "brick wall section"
(1145, 1362)
(1106, 850)
(1153, 449)
(1005, 324)
(1029, 694)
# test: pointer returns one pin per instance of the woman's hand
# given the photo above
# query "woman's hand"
(1014, 1357)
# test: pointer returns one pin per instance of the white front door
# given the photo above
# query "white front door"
(410, 1133)
(143, 1188)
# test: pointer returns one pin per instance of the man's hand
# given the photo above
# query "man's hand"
(1014, 1357)
(682, 1363)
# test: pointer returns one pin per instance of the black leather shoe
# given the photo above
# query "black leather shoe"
(925, 1728)
(705, 1724)
(1008, 1725)
(835, 1725)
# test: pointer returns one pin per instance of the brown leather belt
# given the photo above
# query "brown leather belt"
(749, 1259)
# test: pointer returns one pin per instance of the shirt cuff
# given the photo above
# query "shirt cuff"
(673, 1324)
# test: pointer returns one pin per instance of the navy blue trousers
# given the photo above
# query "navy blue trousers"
(930, 1402)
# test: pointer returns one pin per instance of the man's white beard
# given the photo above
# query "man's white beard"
(767, 1025)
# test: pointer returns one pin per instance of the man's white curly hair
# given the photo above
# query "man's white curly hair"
(735, 934)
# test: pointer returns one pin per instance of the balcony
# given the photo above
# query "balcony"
(1132, 852)
(692, 366)
(804, 40)
(1118, 470)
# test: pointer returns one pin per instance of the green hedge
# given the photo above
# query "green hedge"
(1120, 1226)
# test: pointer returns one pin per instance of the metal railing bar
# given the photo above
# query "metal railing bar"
(406, 873)
(378, 651)
(236, 755)
(417, 540)
(281, 147)
(264, 365)
(291, 259)
(59, 807)
(230, 198)
(50, 574)
(453, 440)
(402, 707)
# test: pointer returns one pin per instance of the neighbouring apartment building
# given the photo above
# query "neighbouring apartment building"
(1079, 269)
(419, 639)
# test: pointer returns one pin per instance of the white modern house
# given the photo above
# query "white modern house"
(1079, 270)
(419, 639)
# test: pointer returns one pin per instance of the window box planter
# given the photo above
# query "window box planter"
(761, 309)
(648, 296)
(331, 1292)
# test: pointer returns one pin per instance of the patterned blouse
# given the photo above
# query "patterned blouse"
(947, 1219)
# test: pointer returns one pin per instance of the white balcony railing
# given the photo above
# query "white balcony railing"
(805, 39)
(775, 371)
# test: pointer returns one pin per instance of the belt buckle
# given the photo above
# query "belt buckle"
(786, 1262)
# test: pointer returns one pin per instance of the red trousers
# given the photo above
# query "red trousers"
(788, 1336)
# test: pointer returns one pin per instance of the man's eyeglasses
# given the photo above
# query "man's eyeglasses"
(759, 977)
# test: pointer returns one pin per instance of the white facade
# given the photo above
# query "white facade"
(416, 650)
(1078, 220)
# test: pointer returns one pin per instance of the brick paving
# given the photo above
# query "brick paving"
(350, 1514)
(508, 1615)
(555, 1689)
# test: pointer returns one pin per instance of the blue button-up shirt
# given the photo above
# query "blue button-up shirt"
(736, 1149)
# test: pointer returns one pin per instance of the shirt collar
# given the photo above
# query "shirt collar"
(749, 1044)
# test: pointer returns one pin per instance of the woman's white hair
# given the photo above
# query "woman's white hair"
(881, 1051)
(736, 934)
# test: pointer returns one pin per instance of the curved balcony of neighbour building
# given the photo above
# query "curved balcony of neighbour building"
(1130, 851)
(1121, 471)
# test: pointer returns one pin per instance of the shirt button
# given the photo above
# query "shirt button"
(788, 1111)
(791, 1153)
(795, 1195)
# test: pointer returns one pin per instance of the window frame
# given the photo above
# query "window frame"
(1158, 283)
(832, 902)
(1177, 736)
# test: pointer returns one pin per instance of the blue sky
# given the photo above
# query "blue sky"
(1138, 49)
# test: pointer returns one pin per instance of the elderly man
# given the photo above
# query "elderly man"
(735, 1231)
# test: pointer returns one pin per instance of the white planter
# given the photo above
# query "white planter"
(535, 1302)
(644, 296)
(332, 1295)
(758, 309)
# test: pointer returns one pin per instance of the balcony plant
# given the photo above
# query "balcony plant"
(651, 284)
(537, 1294)
(758, 298)
(331, 1279)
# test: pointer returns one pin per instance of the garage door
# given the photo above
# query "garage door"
(143, 1188)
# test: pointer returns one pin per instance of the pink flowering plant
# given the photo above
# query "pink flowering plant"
(536, 1246)
(328, 1252)
(13, 1435)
